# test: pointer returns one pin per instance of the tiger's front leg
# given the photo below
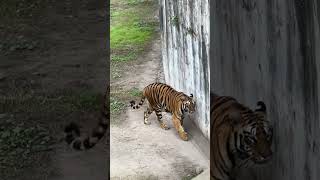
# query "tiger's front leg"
(177, 124)
(163, 125)
(181, 121)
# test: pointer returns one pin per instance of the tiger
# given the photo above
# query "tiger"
(163, 98)
(238, 135)
(73, 134)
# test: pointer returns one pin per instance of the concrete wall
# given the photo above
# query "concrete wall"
(185, 47)
(270, 50)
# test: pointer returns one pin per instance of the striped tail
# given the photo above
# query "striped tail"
(137, 106)
(73, 134)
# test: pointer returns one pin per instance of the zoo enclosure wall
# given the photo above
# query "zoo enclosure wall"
(270, 50)
(185, 47)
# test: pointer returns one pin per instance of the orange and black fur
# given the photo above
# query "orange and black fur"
(237, 135)
(73, 135)
(163, 98)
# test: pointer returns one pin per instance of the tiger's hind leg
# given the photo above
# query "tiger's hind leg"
(177, 124)
(163, 125)
(146, 115)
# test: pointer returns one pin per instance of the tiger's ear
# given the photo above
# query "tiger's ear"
(191, 95)
(262, 107)
(234, 117)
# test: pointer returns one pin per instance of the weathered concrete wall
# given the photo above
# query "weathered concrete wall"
(270, 50)
(185, 40)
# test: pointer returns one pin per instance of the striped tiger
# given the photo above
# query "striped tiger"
(73, 134)
(237, 135)
(163, 98)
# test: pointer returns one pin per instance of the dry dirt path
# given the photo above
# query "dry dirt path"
(141, 151)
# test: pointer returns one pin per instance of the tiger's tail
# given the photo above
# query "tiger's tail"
(137, 106)
(73, 134)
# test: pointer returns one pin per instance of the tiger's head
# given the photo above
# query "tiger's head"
(252, 134)
(189, 105)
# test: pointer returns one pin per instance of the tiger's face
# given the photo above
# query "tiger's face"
(253, 139)
(189, 104)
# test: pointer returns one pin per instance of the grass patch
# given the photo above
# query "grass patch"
(116, 106)
(126, 36)
(123, 57)
(19, 142)
(119, 99)
(131, 28)
(136, 2)
(135, 92)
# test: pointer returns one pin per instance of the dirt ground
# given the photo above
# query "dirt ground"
(69, 59)
(141, 151)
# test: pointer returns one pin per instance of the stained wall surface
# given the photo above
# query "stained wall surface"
(270, 50)
(185, 49)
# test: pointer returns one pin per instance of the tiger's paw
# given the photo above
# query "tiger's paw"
(183, 135)
(146, 122)
(164, 126)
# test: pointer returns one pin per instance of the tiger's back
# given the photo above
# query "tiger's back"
(164, 96)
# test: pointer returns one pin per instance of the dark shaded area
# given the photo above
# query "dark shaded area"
(269, 50)
(53, 70)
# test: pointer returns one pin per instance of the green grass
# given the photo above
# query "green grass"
(131, 28)
(119, 99)
(129, 35)
(123, 57)
(116, 105)
(135, 2)
(135, 92)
